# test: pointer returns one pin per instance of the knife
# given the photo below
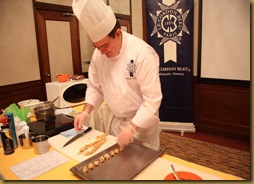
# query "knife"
(77, 136)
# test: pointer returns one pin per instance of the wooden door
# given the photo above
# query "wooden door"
(49, 13)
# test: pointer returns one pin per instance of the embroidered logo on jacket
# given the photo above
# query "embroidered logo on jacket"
(131, 67)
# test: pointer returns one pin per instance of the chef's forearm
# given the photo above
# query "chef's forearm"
(88, 108)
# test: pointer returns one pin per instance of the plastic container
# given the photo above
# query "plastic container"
(62, 77)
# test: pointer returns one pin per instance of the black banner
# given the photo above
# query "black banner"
(170, 33)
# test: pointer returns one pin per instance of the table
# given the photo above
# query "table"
(159, 168)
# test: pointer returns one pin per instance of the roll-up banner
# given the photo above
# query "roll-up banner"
(170, 33)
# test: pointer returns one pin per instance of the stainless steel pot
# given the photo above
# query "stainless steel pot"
(45, 111)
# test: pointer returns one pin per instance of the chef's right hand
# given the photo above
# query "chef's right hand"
(126, 135)
(80, 118)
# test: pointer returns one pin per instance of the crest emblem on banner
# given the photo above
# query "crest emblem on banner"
(169, 24)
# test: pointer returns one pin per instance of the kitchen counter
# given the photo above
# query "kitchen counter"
(159, 167)
(157, 170)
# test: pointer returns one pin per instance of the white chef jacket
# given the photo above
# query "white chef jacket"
(129, 83)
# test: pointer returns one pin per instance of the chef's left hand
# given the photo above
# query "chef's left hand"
(80, 118)
(125, 136)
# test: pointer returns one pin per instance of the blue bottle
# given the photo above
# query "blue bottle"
(12, 127)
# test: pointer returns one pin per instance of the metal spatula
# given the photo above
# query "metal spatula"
(174, 172)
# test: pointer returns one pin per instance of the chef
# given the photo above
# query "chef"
(124, 73)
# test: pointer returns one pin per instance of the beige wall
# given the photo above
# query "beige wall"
(19, 57)
(18, 49)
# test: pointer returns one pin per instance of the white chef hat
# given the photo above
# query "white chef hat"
(97, 18)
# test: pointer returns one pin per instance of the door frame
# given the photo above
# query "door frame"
(44, 12)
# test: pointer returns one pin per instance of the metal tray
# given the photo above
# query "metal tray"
(122, 166)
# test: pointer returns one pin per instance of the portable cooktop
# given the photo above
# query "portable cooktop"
(57, 124)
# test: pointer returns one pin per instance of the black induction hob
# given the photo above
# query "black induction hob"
(57, 124)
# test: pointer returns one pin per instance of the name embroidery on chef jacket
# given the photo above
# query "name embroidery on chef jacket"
(131, 68)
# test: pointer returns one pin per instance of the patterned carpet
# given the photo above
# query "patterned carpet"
(224, 159)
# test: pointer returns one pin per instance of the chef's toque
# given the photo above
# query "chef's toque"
(97, 18)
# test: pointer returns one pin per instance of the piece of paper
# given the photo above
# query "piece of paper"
(38, 165)
(69, 133)
(67, 111)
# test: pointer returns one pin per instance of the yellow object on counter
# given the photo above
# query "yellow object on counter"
(78, 108)
(32, 119)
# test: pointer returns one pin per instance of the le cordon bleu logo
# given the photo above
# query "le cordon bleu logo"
(169, 23)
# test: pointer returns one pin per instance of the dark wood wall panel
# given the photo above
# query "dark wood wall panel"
(223, 110)
(22, 91)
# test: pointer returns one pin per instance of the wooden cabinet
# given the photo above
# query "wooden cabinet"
(222, 110)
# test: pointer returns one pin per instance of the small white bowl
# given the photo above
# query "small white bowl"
(32, 104)
(26, 103)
